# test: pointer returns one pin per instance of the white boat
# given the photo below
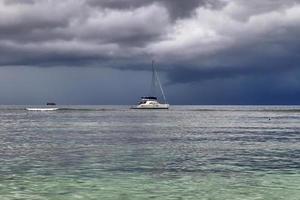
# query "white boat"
(41, 109)
(151, 102)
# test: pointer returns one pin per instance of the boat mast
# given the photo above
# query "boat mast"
(155, 76)
(153, 82)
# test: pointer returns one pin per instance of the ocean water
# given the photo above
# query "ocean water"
(185, 153)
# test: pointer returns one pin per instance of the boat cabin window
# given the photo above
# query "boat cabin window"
(142, 102)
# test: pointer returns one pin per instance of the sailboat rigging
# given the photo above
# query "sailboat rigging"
(151, 101)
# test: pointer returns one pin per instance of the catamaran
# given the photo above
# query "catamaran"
(151, 101)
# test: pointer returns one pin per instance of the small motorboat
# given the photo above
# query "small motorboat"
(42, 109)
(51, 104)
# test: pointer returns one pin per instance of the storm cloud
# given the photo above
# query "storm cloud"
(194, 41)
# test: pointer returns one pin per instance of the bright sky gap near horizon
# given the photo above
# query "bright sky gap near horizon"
(100, 51)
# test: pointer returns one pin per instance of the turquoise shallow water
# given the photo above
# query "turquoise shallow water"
(188, 152)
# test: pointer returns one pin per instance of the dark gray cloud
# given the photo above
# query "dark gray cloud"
(13, 2)
(176, 8)
(194, 41)
(262, 89)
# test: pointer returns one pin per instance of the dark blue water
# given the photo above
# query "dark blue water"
(187, 152)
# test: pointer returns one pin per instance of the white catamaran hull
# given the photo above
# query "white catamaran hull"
(156, 106)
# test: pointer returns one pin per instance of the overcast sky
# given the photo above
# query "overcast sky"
(100, 51)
